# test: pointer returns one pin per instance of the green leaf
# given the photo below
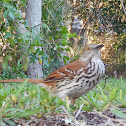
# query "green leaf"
(121, 99)
(113, 93)
(103, 95)
(67, 49)
(7, 35)
(11, 15)
(13, 110)
(37, 50)
(46, 62)
(64, 30)
(36, 40)
(45, 26)
(1, 122)
(8, 121)
(21, 87)
(92, 102)
(4, 65)
(34, 58)
(23, 114)
(9, 57)
(5, 14)
(66, 57)
(71, 35)
(41, 53)
(118, 113)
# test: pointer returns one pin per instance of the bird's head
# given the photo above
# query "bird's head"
(91, 51)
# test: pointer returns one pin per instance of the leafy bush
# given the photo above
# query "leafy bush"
(17, 47)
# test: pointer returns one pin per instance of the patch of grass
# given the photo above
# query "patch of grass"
(111, 93)
(25, 99)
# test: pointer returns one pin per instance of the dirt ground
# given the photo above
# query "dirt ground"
(95, 118)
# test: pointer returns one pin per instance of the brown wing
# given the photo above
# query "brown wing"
(65, 72)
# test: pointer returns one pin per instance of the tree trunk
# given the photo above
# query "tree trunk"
(33, 16)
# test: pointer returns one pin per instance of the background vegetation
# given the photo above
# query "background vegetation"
(24, 100)
(103, 22)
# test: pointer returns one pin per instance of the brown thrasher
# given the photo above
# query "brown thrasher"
(74, 79)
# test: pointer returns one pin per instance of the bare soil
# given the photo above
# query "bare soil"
(95, 118)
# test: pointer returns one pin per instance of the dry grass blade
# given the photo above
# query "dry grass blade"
(121, 121)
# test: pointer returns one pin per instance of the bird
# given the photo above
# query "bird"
(76, 78)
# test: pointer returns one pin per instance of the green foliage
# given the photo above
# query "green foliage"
(24, 100)
(12, 71)
(119, 113)
(56, 39)
(10, 47)
(101, 17)
(105, 95)
(18, 48)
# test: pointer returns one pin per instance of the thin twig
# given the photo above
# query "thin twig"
(58, 6)
(17, 23)
(105, 78)
(79, 110)
(5, 42)
(113, 64)
(65, 110)
(123, 7)
(85, 24)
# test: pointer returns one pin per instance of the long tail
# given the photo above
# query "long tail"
(36, 81)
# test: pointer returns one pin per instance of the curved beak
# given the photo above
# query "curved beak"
(99, 46)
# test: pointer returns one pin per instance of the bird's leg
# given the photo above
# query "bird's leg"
(73, 100)
(66, 99)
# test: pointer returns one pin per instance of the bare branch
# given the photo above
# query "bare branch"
(123, 7)
(113, 64)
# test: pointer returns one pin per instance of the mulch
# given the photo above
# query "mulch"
(95, 118)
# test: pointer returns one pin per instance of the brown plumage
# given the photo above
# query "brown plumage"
(74, 79)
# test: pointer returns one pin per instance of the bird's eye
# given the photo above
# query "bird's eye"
(88, 48)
